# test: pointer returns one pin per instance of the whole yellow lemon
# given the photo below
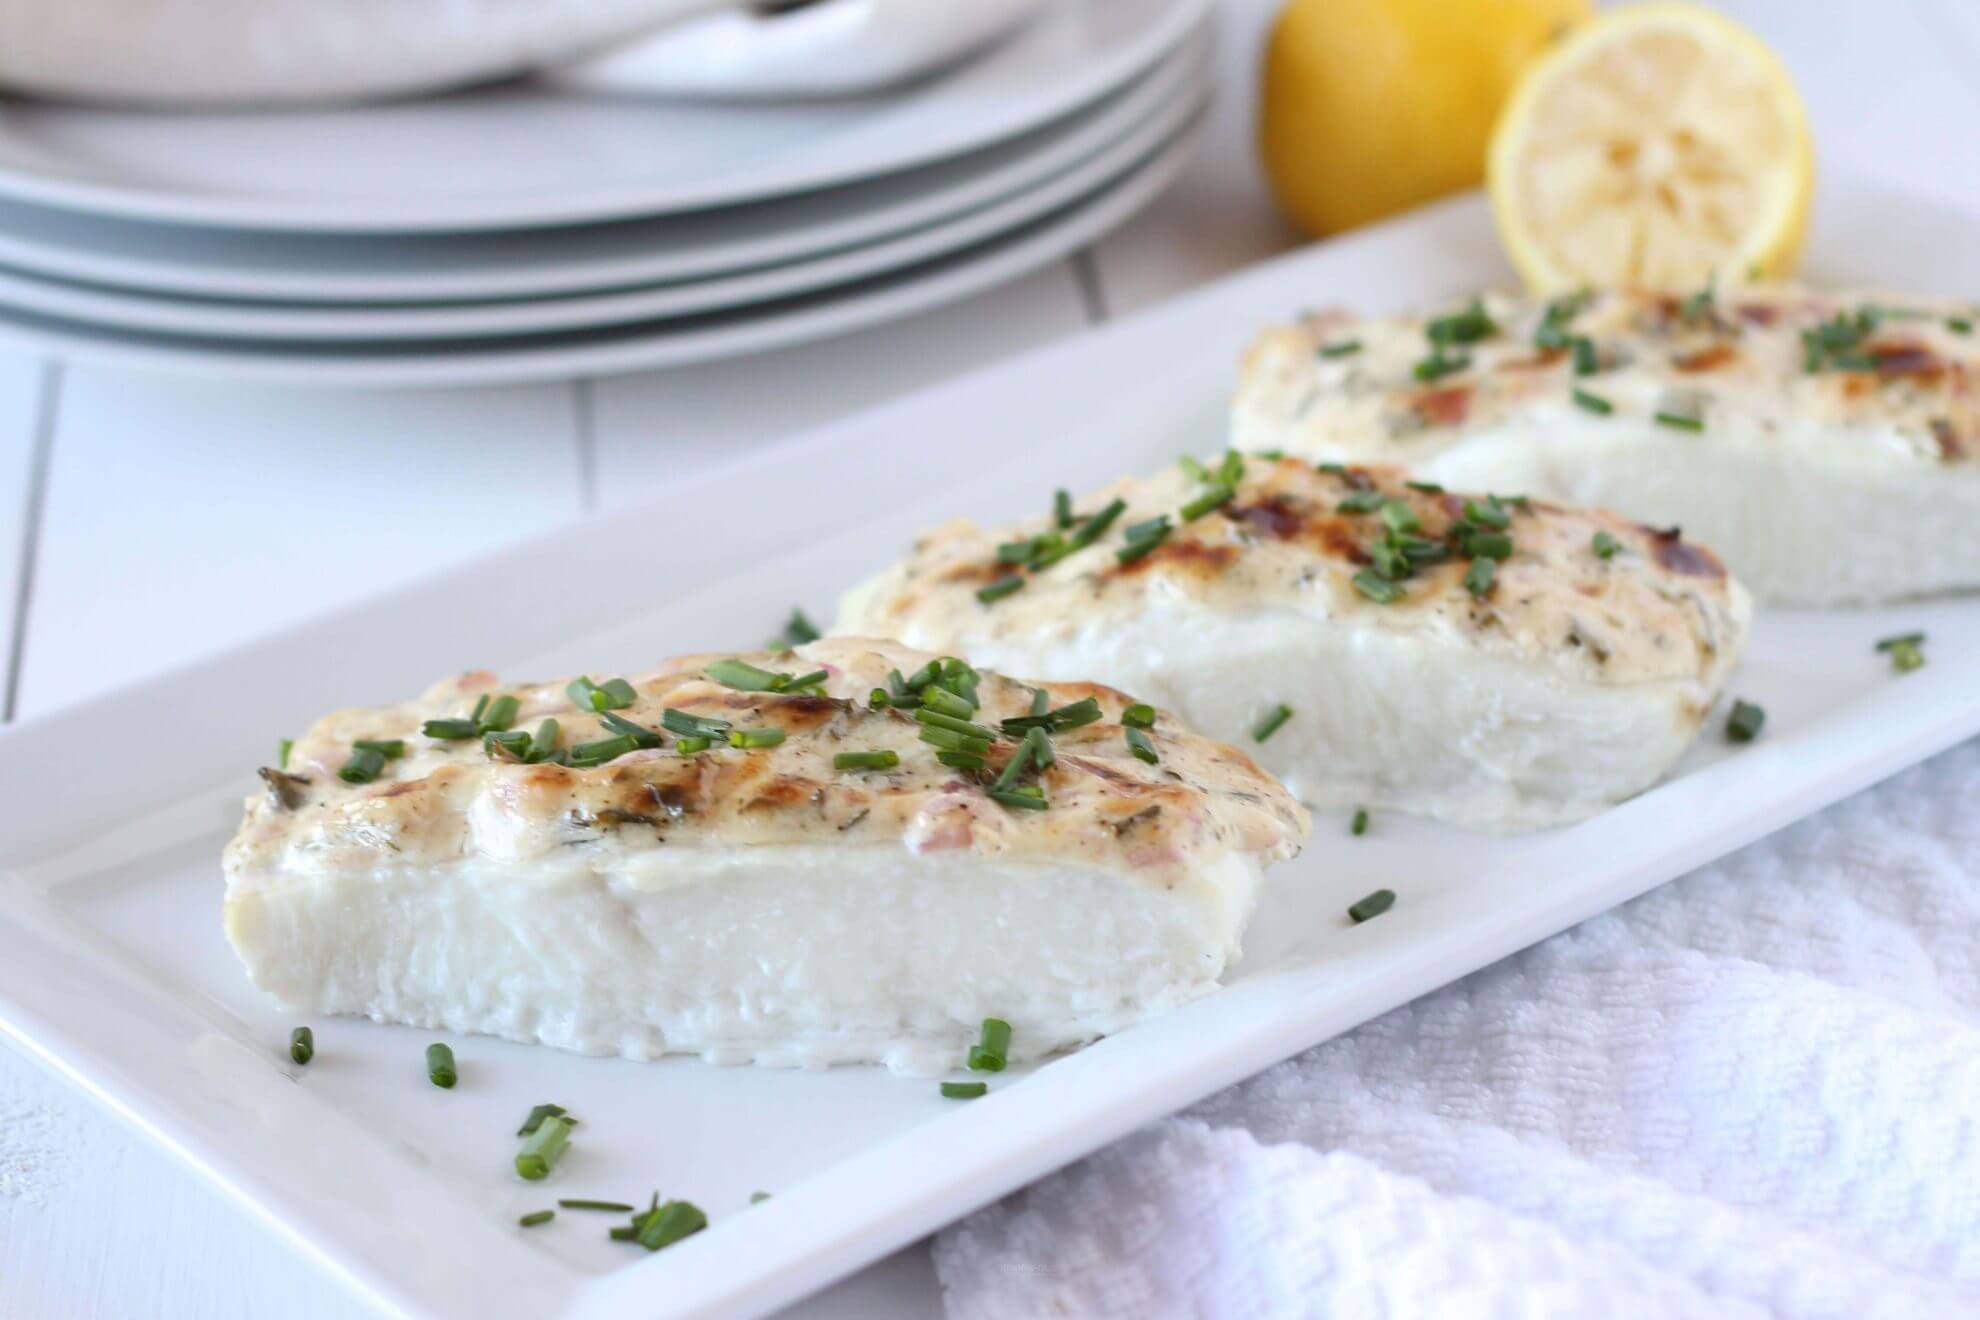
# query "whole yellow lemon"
(1369, 107)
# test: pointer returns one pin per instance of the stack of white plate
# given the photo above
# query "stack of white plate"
(526, 232)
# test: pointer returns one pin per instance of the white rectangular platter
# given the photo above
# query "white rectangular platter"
(114, 972)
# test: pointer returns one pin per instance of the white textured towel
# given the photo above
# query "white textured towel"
(1755, 1091)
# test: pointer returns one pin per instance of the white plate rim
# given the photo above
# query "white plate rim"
(167, 317)
(642, 347)
(846, 1216)
(1095, 78)
(638, 251)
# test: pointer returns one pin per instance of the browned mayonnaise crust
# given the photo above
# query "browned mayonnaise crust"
(450, 802)
(1737, 358)
(1659, 608)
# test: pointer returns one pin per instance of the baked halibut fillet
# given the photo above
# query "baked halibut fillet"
(610, 885)
(1826, 444)
(1497, 664)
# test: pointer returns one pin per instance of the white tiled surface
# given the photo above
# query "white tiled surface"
(176, 518)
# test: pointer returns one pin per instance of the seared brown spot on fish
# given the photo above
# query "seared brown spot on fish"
(1707, 359)
(1445, 407)
(1670, 549)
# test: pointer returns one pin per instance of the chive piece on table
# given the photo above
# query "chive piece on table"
(302, 1045)
(964, 1090)
(1141, 747)
(544, 1147)
(884, 759)
(1271, 722)
(1594, 403)
(1907, 652)
(992, 1047)
(440, 1066)
(538, 1114)
(1372, 906)
(1605, 546)
(1479, 577)
(668, 1224)
(1002, 587)
(758, 1198)
(619, 1207)
(1743, 725)
(1139, 716)
(1359, 826)
(535, 1217)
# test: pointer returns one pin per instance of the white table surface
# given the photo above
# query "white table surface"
(146, 521)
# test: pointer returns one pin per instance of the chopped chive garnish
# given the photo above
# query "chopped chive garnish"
(1062, 510)
(965, 1090)
(535, 1217)
(1331, 469)
(1399, 517)
(944, 701)
(624, 1234)
(1192, 469)
(1072, 716)
(1743, 725)
(669, 1224)
(1019, 798)
(1231, 471)
(932, 718)
(1679, 421)
(1361, 501)
(1427, 487)
(587, 755)
(1479, 577)
(1271, 722)
(1373, 906)
(282, 753)
(614, 694)
(768, 736)
(1552, 331)
(1605, 546)
(1039, 746)
(1437, 366)
(501, 714)
(1015, 767)
(1344, 348)
(682, 724)
(389, 748)
(1487, 545)
(1143, 749)
(690, 745)
(885, 759)
(1489, 514)
(999, 589)
(758, 1198)
(1359, 826)
(1698, 304)
(1040, 701)
(964, 760)
(1465, 327)
(619, 1207)
(511, 745)
(1959, 325)
(1213, 498)
(440, 1066)
(639, 733)
(744, 677)
(451, 730)
(302, 1045)
(1586, 360)
(1376, 587)
(538, 1114)
(362, 767)
(1139, 716)
(1086, 534)
(798, 630)
(1594, 403)
(948, 740)
(544, 1147)
(543, 743)
(992, 1046)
